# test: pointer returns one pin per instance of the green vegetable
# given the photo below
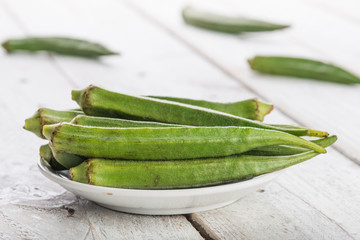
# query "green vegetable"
(65, 159)
(46, 154)
(302, 68)
(67, 46)
(226, 24)
(250, 109)
(100, 102)
(165, 143)
(70, 160)
(44, 116)
(181, 173)
(85, 120)
(282, 150)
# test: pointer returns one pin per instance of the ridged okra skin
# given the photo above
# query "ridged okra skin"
(44, 116)
(96, 101)
(61, 45)
(282, 150)
(179, 174)
(165, 143)
(250, 108)
(227, 24)
(302, 68)
(65, 159)
(183, 174)
(85, 120)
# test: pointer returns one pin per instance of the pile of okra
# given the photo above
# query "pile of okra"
(151, 142)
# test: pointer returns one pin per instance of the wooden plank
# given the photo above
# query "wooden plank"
(347, 9)
(315, 200)
(197, 41)
(89, 221)
(312, 103)
(30, 205)
(213, 85)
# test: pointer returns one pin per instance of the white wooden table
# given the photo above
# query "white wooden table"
(318, 199)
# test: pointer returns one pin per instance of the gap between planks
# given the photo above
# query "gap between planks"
(137, 9)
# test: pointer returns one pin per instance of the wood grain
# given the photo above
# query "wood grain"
(162, 56)
(31, 207)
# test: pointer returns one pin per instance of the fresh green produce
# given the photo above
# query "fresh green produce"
(85, 120)
(250, 108)
(71, 160)
(278, 150)
(96, 101)
(182, 173)
(45, 116)
(46, 154)
(282, 150)
(165, 143)
(67, 46)
(65, 159)
(226, 24)
(302, 68)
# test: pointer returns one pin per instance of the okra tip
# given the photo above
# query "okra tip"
(6, 45)
(317, 133)
(32, 124)
(251, 62)
(76, 95)
(80, 173)
(48, 130)
(263, 109)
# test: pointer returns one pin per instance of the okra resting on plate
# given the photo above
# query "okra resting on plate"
(120, 140)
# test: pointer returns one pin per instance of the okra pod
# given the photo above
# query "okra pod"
(282, 150)
(250, 108)
(86, 120)
(71, 160)
(44, 116)
(96, 101)
(302, 68)
(180, 173)
(61, 45)
(165, 143)
(227, 24)
(46, 154)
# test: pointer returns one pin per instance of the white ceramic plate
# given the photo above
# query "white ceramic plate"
(159, 202)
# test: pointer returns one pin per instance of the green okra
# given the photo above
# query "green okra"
(250, 108)
(165, 143)
(302, 68)
(227, 24)
(44, 116)
(96, 101)
(180, 173)
(282, 150)
(61, 45)
(46, 154)
(86, 120)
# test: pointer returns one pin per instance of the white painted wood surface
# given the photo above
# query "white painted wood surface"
(162, 56)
